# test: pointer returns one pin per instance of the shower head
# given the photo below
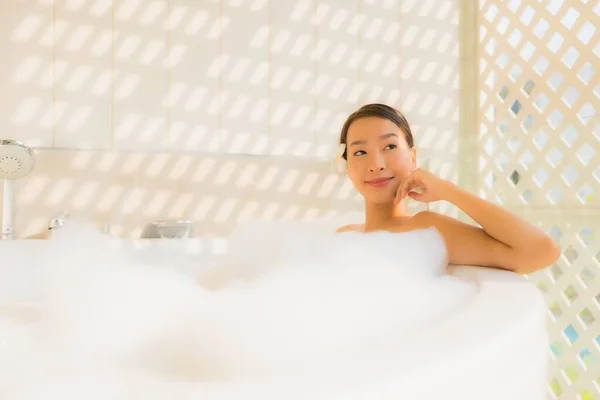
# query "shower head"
(16, 159)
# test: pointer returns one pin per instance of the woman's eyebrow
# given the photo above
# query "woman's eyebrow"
(384, 136)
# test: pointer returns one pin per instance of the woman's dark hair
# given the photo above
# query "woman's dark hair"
(381, 111)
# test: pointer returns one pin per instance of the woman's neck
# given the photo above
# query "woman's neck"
(379, 216)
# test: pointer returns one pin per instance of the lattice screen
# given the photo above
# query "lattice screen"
(539, 154)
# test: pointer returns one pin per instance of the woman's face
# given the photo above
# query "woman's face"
(379, 158)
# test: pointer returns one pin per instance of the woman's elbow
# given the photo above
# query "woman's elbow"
(539, 256)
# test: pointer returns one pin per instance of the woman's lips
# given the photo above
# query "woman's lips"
(379, 182)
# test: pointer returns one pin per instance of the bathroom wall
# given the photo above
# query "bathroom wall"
(213, 110)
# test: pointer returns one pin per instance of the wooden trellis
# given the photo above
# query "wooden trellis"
(538, 144)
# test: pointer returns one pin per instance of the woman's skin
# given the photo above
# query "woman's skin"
(382, 167)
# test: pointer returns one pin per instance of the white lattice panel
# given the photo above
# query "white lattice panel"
(539, 154)
(572, 288)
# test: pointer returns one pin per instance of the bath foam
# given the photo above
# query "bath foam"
(285, 301)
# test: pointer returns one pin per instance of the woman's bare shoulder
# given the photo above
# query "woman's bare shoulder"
(426, 219)
(421, 220)
(350, 228)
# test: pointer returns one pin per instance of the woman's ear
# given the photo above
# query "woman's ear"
(341, 165)
(413, 158)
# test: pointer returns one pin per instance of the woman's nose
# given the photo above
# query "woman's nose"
(377, 164)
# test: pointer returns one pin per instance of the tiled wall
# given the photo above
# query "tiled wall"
(217, 83)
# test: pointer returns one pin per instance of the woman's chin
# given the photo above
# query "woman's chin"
(383, 199)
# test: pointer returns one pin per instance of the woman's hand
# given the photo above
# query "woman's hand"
(430, 187)
(503, 239)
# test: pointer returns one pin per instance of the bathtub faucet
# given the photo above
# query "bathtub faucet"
(58, 220)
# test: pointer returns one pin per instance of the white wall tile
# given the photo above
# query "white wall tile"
(140, 74)
(130, 189)
(194, 35)
(83, 73)
(292, 78)
(337, 56)
(428, 43)
(245, 76)
(379, 65)
(26, 42)
(230, 76)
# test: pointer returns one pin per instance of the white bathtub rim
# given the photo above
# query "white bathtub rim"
(518, 308)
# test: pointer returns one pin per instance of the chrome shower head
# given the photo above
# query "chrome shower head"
(16, 159)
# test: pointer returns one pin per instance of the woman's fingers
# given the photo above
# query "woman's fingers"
(409, 184)
(416, 195)
(398, 194)
(406, 186)
(400, 191)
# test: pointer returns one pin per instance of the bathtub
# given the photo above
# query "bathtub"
(494, 347)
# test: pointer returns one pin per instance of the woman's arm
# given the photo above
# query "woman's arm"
(504, 240)
(498, 222)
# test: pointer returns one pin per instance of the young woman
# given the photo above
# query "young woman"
(378, 152)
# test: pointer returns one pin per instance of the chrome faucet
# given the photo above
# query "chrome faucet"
(58, 220)
(168, 230)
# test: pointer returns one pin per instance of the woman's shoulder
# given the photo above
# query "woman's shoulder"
(426, 219)
(444, 224)
(420, 220)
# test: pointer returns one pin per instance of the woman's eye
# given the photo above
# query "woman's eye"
(359, 153)
(391, 146)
